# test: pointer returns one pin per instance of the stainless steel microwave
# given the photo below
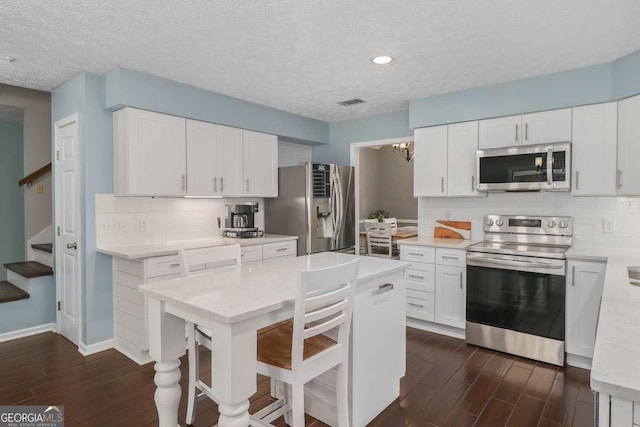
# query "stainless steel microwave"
(544, 167)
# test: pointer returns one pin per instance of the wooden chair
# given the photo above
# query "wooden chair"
(202, 261)
(296, 352)
(379, 240)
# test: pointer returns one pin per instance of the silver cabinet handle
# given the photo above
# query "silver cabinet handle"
(413, 304)
(549, 166)
(386, 287)
(247, 185)
(516, 133)
(174, 265)
(619, 179)
(184, 181)
(73, 245)
(450, 257)
(413, 276)
(573, 275)
(215, 184)
(416, 253)
(473, 184)
(461, 279)
(442, 184)
(222, 184)
(526, 131)
(577, 180)
(281, 249)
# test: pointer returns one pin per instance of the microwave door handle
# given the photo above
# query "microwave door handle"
(550, 166)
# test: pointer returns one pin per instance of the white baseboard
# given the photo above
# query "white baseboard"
(436, 328)
(578, 361)
(140, 360)
(86, 350)
(26, 332)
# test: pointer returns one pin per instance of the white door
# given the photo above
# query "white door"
(585, 281)
(595, 134)
(500, 132)
(628, 179)
(260, 153)
(450, 296)
(430, 162)
(68, 226)
(546, 127)
(462, 148)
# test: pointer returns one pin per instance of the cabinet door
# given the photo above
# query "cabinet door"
(585, 281)
(430, 162)
(230, 169)
(260, 154)
(450, 295)
(595, 132)
(203, 159)
(155, 145)
(546, 126)
(461, 161)
(628, 148)
(500, 132)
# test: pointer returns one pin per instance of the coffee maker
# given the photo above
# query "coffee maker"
(239, 221)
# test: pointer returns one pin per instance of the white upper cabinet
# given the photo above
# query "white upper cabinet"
(628, 179)
(461, 160)
(260, 164)
(546, 127)
(214, 159)
(595, 130)
(430, 162)
(500, 132)
(149, 154)
(535, 128)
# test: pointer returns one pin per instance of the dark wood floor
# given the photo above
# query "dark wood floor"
(448, 383)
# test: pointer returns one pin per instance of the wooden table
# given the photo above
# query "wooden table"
(400, 233)
(234, 304)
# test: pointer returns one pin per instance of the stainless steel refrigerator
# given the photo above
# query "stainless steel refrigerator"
(315, 202)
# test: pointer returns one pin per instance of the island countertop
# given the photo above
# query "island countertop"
(173, 247)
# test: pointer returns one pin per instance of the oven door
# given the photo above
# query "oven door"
(518, 293)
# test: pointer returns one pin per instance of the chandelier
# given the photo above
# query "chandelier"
(405, 150)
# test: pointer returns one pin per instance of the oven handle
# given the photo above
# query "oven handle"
(488, 261)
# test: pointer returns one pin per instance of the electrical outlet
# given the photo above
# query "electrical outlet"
(39, 188)
(609, 226)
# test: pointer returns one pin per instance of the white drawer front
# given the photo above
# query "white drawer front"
(277, 250)
(452, 257)
(251, 253)
(421, 305)
(163, 266)
(423, 279)
(417, 253)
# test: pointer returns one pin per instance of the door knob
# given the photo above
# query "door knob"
(73, 245)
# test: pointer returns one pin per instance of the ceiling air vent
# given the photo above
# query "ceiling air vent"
(350, 102)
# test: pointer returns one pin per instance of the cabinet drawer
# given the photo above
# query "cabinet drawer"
(422, 279)
(163, 266)
(452, 257)
(421, 305)
(277, 250)
(417, 253)
(251, 253)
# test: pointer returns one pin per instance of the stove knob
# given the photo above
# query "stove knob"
(499, 222)
(563, 224)
(489, 222)
(551, 223)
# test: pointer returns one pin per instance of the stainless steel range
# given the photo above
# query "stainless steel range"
(516, 286)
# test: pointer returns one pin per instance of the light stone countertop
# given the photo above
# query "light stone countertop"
(616, 359)
(234, 295)
(173, 247)
(437, 242)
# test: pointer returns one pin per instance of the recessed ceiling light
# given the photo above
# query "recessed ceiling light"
(381, 60)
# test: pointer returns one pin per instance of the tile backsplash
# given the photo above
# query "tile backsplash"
(589, 214)
(122, 221)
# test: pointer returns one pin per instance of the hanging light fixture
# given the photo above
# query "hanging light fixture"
(405, 150)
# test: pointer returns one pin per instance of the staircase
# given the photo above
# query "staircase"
(19, 277)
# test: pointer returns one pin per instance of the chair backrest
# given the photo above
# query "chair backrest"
(324, 301)
(393, 221)
(204, 260)
(379, 241)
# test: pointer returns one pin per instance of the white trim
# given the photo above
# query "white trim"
(578, 361)
(27, 332)
(436, 328)
(139, 360)
(86, 350)
(73, 118)
(355, 160)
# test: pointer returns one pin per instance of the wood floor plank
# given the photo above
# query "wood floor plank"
(496, 413)
(476, 398)
(499, 365)
(561, 402)
(474, 365)
(540, 381)
(527, 412)
(512, 384)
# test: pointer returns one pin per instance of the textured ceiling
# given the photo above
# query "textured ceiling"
(10, 114)
(303, 56)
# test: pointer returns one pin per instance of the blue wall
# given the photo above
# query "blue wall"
(38, 309)
(626, 76)
(85, 95)
(134, 89)
(12, 196)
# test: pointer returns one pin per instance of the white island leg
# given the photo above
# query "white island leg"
(166, 345)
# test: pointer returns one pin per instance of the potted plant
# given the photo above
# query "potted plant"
(380, 215)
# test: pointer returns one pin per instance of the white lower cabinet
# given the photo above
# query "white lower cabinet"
(613, 411)
(436, 284)
(585, 281)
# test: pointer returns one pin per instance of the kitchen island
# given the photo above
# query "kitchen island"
(234, 304)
